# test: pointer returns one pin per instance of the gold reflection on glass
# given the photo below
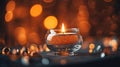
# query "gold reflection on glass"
(10, 5)
(6, 51)
(50, 22)
(45, 48)
(22, 50)
(36, 10)
(8, 16)
(33, 48)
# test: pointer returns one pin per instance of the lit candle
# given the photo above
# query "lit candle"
(64, 40)
(64, 37)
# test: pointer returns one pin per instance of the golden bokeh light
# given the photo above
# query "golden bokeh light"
(5, 50)
(14, 51)
(91, 46)
(10, 5)
(50, 22)
(36, 10)
(8, 16)
(109, 42)
(20, 34)
(33, 47)
(87, 41)
(90, 51)
(114, 45)
(22, 50)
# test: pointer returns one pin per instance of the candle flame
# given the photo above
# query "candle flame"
(63, 28)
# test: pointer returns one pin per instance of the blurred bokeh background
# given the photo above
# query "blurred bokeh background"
(24, 22)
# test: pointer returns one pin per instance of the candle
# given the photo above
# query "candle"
(64, 40)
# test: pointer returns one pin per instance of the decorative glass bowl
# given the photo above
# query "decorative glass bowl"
(64, 43)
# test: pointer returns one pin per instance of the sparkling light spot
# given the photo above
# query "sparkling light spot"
(92, 46)
(10, 5)
(8, 16)
(90, 50)
(102, 55)
(98, 48)
(50, 22)
(36, 10)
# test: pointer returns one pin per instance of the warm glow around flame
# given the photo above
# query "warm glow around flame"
(63, 28)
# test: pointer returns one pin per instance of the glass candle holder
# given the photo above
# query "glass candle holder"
(64, 43)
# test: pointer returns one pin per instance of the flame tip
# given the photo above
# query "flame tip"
(63, 28)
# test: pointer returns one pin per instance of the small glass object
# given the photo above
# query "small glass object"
(64, 43)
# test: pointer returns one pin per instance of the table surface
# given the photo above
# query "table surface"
(46, 59)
